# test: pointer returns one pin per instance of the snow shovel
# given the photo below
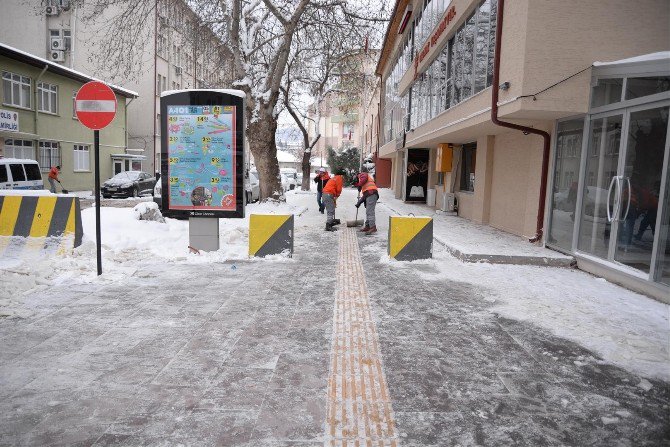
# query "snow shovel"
(355, 222)
(65, 191)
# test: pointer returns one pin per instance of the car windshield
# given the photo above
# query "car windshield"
(127, 175)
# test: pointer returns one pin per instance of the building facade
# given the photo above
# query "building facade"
(38, 97)
(179, 52)
(437, 69)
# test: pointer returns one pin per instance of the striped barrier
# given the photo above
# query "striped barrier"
(46, 217)
(270, 234)
(410, 238)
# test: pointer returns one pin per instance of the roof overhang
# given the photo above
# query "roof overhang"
(405, 19)
(52, 67)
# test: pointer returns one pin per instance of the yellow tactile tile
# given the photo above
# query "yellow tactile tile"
(359, 406)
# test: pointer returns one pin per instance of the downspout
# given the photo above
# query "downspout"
(153, 136)
(524, 129)
(37, 81)
(125, 118)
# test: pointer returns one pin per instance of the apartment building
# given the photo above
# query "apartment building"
(437, 69)
(39, 120)
(180, 52)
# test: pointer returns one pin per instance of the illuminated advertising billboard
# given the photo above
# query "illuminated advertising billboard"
(202, 153)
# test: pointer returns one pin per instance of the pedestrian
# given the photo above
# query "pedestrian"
(369, 196)
(331, 192)
(53, 178)
(321, 179)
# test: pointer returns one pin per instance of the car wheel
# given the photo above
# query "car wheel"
(106, 197)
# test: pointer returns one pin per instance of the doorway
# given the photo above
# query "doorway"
(623, 213)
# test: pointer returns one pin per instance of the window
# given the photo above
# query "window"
(564, 191)
(32, 171)
(468, 163)
(82, 157)
(607, 91)
(47, 98)
(19, 149)
(17, 172)
(158, 85)
(16, 89)
(67, 39)
(49, 155)
(158, 124)
(639, 87)
(3, 174)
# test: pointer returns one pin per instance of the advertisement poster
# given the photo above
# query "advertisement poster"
(201, 157)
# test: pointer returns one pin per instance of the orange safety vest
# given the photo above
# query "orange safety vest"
(334, 186)
(369, 185)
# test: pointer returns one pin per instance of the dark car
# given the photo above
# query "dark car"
(128, 184)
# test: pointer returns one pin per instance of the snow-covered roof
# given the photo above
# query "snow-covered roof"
(17, 160)
(637, 59)
(285, 157)
(227, 91)
(36, 61)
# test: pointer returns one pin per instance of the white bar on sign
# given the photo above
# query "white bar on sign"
(85, 105)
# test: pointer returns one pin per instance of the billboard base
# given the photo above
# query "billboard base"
(203, 233)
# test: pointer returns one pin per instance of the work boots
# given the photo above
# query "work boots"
(371, 230)
(336, 222)
(364, 229)
(329, 227)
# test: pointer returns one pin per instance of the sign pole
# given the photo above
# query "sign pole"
(98, 245)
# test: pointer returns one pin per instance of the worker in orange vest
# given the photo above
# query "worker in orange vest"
(369, 196)
(53, 178)
(331, 192)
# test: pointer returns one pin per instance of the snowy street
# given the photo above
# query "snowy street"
(338, 345)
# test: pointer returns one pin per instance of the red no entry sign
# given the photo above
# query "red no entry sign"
(95, 105)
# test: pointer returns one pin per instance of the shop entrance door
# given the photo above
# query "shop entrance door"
(626, 163)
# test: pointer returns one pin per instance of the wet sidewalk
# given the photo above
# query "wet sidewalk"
(337, 346)
(473, 242)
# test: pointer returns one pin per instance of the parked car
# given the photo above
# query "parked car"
(291, 178)
(17, 173)
(158, 197)
(128, 184)
(252, 187)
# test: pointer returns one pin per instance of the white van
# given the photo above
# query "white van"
(16, 173)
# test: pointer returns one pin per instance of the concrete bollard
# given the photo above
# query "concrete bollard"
(410, 238)
(270, 234)
(41, 216)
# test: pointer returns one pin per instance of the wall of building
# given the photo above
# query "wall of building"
(65, 129)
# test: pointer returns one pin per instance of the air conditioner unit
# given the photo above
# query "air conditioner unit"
(51, 10)
(448, 202)
(57, 43)
(57, 56)
(177, 70)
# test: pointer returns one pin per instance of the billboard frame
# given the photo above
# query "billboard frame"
(204, 97)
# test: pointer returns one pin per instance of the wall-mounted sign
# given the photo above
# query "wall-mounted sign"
(9, 121)
(202, 153)
(432, 41)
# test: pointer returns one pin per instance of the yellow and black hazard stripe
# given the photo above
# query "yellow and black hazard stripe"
(41, 217)
(270, 234)
(410, 238)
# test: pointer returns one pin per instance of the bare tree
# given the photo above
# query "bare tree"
(260, 35)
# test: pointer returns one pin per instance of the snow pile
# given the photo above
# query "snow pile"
(128, 244)
(148, 211)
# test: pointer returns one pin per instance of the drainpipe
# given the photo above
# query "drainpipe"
(37, 81)
(125, 119)
(525, 129)
(156, 92)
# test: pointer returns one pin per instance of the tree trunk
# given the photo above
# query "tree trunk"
(262, 144)
(306, 171)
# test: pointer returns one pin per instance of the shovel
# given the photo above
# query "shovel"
(355, 222)
(65, 191)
